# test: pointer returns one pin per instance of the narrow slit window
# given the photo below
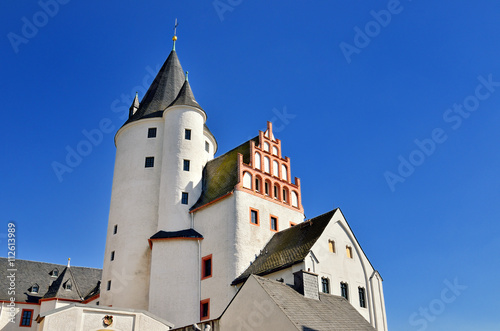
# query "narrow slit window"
(362, 297)
(207, 147)
(325, 285)
(108, 288)
(112, 255)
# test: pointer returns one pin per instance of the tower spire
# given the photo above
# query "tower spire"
(174, 38)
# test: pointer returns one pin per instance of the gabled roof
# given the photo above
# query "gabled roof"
(30, 272)
(64, 287)
(163, 90)
(287, 247)
(329, 313)
(220, 175)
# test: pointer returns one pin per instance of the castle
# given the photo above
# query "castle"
(198, 239)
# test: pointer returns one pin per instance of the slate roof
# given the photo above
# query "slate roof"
(186, 97)
(85, 281)
(220, 175)
(287, 247)
(329, 313)
(188, 233)
(163, 91)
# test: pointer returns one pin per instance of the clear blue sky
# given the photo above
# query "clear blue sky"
(355, 104)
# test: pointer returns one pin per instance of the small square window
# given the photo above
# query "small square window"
(112, 255)
(26, 317)
(150, 162)
(115, 229)
(185, 198)
(205, 309)
(254, 216)
(109, 285)
(152, 133)
(274, 223)
(207, 146)
(187, 134)
(186, 165)
(206, 267)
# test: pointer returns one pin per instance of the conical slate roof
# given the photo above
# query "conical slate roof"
(163, 91)
(185, 97)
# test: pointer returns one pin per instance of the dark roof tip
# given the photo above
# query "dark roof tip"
(185, 97)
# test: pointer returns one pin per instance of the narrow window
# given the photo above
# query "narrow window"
(152, 133)
(97, 303)
(207, 146)
(185, 197)
(205, 309)
(284, 172)
(267, 164)
(276, 167)
(266, 188)
(275, 150)
(206, 267)
(344, 290)
(254, 216)
(362, 297)
(257, 184)
(331, 246)
(247, 180)
(186, 165)
(115, 229)
(274, 223)
(112, 255)
(109, 285)
(150, 162)
(276, 192)
(257, 160)
(285, 195)
(295, 199)
(187, 134)
(348, 250)
(325, 285)
(26, 316)
(266, 146)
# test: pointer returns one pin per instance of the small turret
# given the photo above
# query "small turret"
(135, 105)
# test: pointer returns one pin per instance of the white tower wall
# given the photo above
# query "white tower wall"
(134, 212)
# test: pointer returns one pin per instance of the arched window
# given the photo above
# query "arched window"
(267, 188)
(285, 195)
(276, 192)
(266, 146)
(267, 164)
(258, 184)
(295, 199)
(247, 180)
(257, 161)
(284, 172)
(325, 285)
(275, 150)
(276, 168)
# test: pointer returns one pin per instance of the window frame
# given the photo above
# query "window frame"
(149, 162)
(203, 267)
(271, 217)
(207, 146)
(325, 283)
(257, 217)
(112, 255)
(362, 297)
(344, 289)
(186, 165)
(187, 134)
(22, 319)
(185, 198)
(202, 303)
(152, 132)
(331, 246)
(348, 250)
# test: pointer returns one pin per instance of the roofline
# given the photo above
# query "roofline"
(64, 265)
(212, 202)
(288, 265)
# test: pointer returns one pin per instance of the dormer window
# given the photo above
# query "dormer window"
(35, 288)
(54, 273)
(67, 286)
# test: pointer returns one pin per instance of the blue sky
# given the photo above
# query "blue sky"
(388, 110)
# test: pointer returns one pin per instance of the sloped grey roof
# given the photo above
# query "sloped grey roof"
(163, 90)
(329, 313)
(188, 233)
(29, 273)
(220, 175)
(287, 247)
(186, 97)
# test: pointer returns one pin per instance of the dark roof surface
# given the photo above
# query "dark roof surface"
(188, 233)
(329, 313)
(185, 97)
(287, 247)
(84, 281)
(220, 175)
(163, 90)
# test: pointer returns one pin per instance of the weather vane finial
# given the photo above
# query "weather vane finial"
(174, 38)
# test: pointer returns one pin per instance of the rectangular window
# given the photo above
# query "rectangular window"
(325, 284)
(266, 188)
(205, 309)
(115, 229)
(206, 267)
(109, 285)
(186, 165)
(26, 317)
(362, 297)
(257, 184)
(254, 216)
(112, 255)
(185, 198)
(331, 246)
(152, 133)
(348, 250)
(344, 290)
(187, 134)
(150, 162)
(207, 146)
(274, 223)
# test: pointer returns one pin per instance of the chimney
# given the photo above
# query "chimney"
(306, 283)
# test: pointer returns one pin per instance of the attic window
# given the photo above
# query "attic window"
(67, 286)
(35, 288)
(54, 273)
(348, 250)
(152, 133)
(331, 246)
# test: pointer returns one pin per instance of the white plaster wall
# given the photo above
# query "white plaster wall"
(250, 239)
(6, 325)
(174, 281)
(286, 274)
(377, 296)
(134, 208)
(216, 223)
(253, 309)
(173, 215)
